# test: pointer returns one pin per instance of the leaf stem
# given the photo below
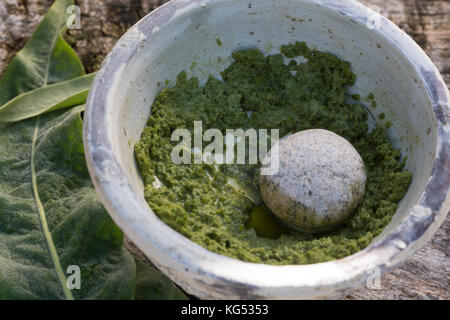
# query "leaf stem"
(43, 219)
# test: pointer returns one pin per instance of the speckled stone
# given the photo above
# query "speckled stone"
(321, 179)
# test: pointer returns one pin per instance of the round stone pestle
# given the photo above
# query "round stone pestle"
(320, 180)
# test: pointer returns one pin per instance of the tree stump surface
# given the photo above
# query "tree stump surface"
(426, 275)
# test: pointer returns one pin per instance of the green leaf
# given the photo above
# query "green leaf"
(45, 59)
(153, 285)
(51, 218)
(64, 94)
(50, 215)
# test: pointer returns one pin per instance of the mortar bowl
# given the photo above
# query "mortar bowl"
(179, 34)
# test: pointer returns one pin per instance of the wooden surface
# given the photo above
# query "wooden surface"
(426, 275)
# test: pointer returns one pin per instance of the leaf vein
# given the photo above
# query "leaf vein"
(43, 219)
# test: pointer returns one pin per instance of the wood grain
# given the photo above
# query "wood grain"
(426, 275)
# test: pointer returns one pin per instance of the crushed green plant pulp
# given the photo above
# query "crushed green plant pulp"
(271, 92)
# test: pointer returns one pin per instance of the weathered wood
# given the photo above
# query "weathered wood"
(426, 275)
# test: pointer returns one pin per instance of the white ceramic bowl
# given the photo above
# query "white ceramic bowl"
(407, 86)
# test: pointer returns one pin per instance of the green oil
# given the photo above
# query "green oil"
(265, 224)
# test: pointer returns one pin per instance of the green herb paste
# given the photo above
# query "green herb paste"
(218, 206)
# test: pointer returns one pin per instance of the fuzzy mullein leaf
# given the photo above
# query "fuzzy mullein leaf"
(153, 285)
(51, 220)
(51, 217)
(45, 59)
(69, 93)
